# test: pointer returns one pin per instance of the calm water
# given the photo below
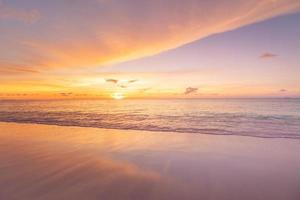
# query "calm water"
(250, 117)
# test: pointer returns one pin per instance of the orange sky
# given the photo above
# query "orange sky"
(100, 49)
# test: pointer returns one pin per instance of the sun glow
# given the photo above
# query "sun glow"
(117, 96)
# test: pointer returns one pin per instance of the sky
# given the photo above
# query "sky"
(69, 49)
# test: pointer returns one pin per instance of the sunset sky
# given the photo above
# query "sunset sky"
(149, 49)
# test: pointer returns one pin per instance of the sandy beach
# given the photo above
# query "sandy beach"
(149, 100)
(54, 162)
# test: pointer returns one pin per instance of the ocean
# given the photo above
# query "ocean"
(269, 118)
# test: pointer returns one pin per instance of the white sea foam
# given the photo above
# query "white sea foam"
(279, 118)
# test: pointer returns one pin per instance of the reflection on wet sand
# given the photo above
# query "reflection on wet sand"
(47, 168)
(68, 175)
(50, 162)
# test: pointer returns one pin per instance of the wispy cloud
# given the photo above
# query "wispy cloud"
(121, 83)
(132, 81)
(125, 84)
(7, 69)
(110, 80)
(190, 90)
(15, 71)
(66, 94)
(114, 31)
(267, 55)
(283, 90)
(14, 94)
(9, 12)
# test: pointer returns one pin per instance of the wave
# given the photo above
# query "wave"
(242, 124)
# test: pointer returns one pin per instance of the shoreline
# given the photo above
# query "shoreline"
(64, 162)
(153, 131)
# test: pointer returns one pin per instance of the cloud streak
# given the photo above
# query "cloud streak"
(121, 83)
(283, 90)
(93, 32)
(66, 94)
(110, 80)
(190, 90)
(267, 55)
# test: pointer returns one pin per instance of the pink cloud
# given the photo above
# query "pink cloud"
(267, 55)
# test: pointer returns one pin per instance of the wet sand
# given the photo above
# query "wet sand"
(62, 163)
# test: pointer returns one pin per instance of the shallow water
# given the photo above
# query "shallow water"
(251, 117)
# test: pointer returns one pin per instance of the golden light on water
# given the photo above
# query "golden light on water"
(118, 96)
